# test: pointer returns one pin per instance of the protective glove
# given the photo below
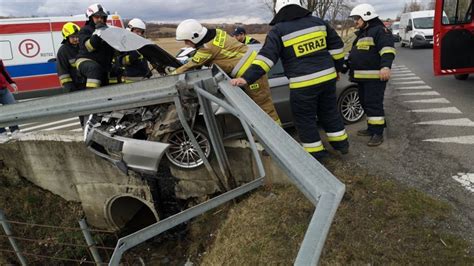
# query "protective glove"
(14, 87)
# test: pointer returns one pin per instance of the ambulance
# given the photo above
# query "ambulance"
(28, 48)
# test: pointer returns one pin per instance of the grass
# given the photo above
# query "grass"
(378, 222)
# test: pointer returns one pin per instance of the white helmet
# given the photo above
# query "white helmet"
(192, 30)
(279, 4)
(136, 23)
(365, 11)
(96, 9)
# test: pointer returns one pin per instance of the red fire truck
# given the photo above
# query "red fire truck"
(453, 50)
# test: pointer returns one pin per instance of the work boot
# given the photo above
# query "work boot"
(364, 132)
(375, 140)
(343, 150)
(321, 156)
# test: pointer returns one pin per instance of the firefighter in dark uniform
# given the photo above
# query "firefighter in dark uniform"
(95, 55)
(134, 64)
(312, 56)
(241, 35)
(370, 63)
(66, 59)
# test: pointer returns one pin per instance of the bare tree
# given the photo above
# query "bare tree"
(431, 5)
(414, 5)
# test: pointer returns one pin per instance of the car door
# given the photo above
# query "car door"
(453, 51)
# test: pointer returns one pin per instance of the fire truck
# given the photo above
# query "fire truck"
(453, 50)
(28, 47)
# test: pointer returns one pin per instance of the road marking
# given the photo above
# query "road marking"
(402, 72)
(425, 87)
(405, 78)
(28, 129)
(408, 82)
(447, 110)
(461, 122)
(436, 100)
(466, 180)
(400, 69)
(426, 93)
(404, 75)
(77, 130)
(63, 126)
(457, 140)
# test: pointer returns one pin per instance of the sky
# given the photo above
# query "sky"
(174, 11)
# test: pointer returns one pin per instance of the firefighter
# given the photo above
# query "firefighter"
(370, 62)
(312, 56)
(134, 64)
(66, 59)
(95, 55)
(241, 35)
(215, 47)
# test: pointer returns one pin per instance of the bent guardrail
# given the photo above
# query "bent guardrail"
(321, 187)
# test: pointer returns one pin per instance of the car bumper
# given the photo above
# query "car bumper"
(421, 41)
(126, 153)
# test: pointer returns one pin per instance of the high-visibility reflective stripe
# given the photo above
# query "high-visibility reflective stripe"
(199, 57)
(262, 64)
(113, 81)
(65, 80)
(367, 41)
(337, 53)
(376, 120)
(126, 60)
(366, 74)
(313, 79)
(81, 60)
(247, 39)
(72, 62)
(305, 37)
(74, 65)
(388, 50)
(302, 32)
(89, 46)
(247, 64)
(267, 61)
(313, 147)
(278, 121)
(220, 38)
(337, 136)
(93, 83)
(65, 76)
(230, 54)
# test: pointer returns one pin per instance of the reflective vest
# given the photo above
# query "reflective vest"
(311, 52)
(372, 50)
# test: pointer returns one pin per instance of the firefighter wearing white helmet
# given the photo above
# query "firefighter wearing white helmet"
(312, 55)
(135, 66)
(66, 59)
(215, 46)
(95, 55)
(370, 61)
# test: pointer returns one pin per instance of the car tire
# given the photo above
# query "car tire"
(182, 154)
(349, 106)
(403, 44)
(461, 76)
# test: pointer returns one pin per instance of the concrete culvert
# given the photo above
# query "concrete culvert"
(130, 214)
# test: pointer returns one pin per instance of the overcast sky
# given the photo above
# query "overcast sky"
(218, 11)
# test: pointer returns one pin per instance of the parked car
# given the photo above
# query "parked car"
(395, 28)
(160, 124)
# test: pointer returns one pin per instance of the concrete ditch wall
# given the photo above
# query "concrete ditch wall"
(59, 162)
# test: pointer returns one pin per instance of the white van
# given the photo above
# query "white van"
(416, 28)
(28, 47)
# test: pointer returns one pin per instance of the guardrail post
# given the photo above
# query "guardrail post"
(90, 242)
(9, 234)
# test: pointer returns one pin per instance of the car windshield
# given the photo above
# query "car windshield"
(423, 23)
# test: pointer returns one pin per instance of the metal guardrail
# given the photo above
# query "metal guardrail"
(321, 187)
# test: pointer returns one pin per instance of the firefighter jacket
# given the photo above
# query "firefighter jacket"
(66, 66)
(311, 52)
(92, 47)
(372, 50)
(135, 67)
(5, 78)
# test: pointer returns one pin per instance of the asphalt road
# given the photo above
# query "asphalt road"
(429, 142)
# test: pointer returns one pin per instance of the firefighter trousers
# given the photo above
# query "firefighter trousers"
(371, 95)
(318, 103)
(95, 74)
(260, 93)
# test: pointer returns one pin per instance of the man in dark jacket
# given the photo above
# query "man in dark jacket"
(312, 56)
(6, 97)
(241, 35)
(95, 57)
(370, 61)
(66, 59)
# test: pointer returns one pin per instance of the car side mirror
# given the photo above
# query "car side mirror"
(409, 28)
